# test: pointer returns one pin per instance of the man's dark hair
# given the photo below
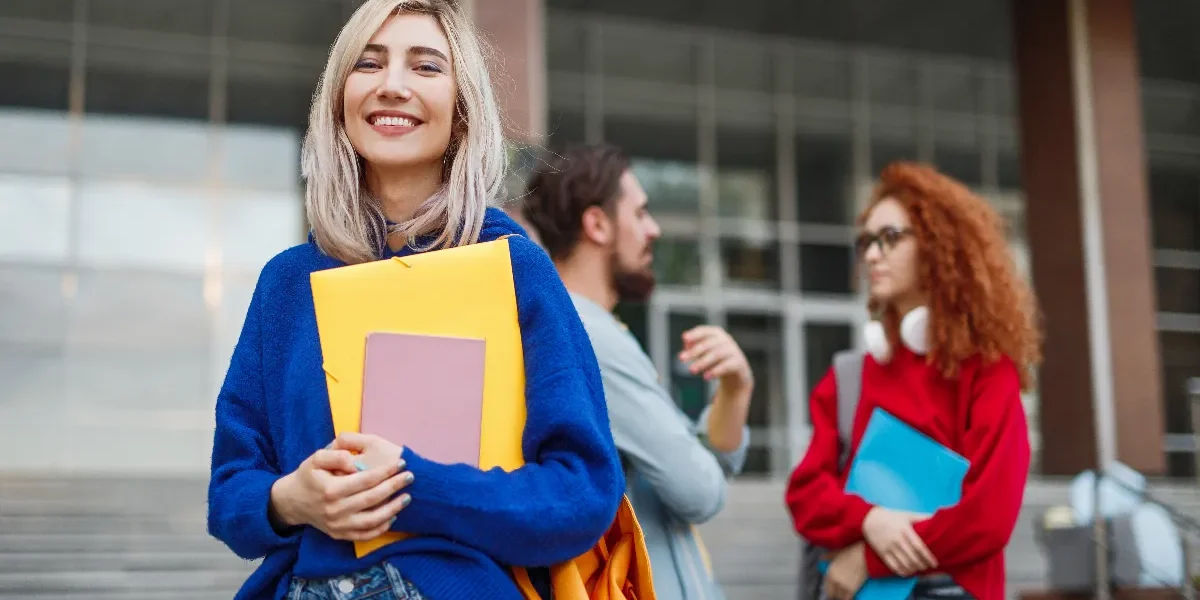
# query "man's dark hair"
(564, 186)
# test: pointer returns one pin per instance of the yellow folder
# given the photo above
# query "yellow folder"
(467, 292)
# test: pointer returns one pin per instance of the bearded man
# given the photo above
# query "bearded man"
(591, 215)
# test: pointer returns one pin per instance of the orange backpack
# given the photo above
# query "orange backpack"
(616, 568)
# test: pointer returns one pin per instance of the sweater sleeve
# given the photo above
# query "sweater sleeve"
(660, 443)
(243, 463)
(997, 444)
(821, 512)
(565, 497)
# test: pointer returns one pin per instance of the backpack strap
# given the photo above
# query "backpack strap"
(847, 371)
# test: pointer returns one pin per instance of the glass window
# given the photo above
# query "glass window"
(823, 168)
(565, 128)
(257, 226)
(39, 10)
(743, 64)
(821, 342)
(961, 163)
(751, 263)
(566, 44)
(886, 151)
(634, 316)
(649, 54)
(1009, 171)
(822, 74)
(43, 84)
(951, 87)
(123, 147)
(174, 16)
(893, 81)
(260, 157)
(668, 141)
(313, 24)
(142, 379)
(671, 186)
(1180, 354)
(826, 269)
(34, 218)
(1178, 290)
(31, 407)
(677, 262)
(1175, 207)
(759, 336)
(140, 79)
(689, 391)
(35, 141)
(135, 225)
(271, 94)
(138, 311)
(34, 314)
(746, 174)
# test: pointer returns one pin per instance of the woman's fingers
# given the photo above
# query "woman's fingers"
(368, 522)
(334, 461)
(923, 557)
(373, 497)
(338, 488)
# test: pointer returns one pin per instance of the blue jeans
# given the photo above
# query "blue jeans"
(381, 582)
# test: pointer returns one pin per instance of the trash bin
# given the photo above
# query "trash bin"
(1071, 555)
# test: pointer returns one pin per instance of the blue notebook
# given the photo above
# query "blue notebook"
(900, 468)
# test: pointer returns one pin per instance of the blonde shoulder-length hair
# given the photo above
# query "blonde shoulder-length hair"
(347, 223)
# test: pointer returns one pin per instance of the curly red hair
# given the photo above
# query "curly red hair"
(978, 302)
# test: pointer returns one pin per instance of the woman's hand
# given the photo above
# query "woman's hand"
(334, 492)
(890, 533)
(371, 450)
(847, 572)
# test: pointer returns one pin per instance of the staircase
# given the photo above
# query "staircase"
(113, 538)
(109, 539)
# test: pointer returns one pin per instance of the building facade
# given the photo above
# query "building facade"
(149, 167)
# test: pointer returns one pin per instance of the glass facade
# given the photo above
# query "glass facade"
(1173, 143)
(756, 154)
(149, 169)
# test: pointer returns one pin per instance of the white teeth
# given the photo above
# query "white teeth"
(394, 121)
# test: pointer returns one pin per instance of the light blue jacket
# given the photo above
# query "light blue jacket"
(675, 480)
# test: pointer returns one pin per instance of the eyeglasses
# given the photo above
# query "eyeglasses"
(887, 238)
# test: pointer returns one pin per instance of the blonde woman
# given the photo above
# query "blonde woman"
(403, 154)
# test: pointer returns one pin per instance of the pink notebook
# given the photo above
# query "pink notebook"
(425, 392)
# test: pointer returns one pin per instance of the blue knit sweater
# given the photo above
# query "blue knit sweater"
(273, 412)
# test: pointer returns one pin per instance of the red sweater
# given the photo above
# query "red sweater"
(979, 414)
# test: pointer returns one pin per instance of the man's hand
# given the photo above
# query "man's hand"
(847, 572)
(890, 533)
(711, 351)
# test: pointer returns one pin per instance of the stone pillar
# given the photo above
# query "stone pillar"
(1088, 219)
(516, 32)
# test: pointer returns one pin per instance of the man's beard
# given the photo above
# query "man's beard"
(632, 285)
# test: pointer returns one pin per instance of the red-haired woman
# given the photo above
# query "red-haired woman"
(953, 345)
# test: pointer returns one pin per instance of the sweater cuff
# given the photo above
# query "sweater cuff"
(258, 496)
(876, 568)
(856, 513)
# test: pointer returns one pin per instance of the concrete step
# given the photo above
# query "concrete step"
(107, 542)
(31, 562)
(89, 524)
(69, 580)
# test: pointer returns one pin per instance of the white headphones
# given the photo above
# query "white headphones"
(914, 334)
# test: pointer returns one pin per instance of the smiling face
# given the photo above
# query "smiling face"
(399, 100)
